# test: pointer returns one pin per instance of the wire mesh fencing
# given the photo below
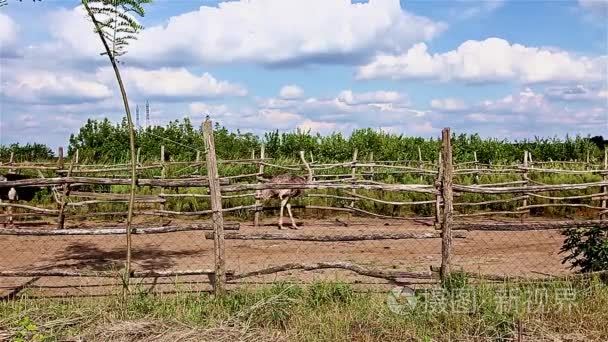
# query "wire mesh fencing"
(223, 224)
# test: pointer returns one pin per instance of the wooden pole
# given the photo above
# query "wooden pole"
(525, 178)
(163, 175)
(476, 167)
(438, 197)
(11, 161)
(258, 200)
(371, 168)
(312, 158)
(353, 175)
(448, 207)
(217, 218)
(605, 188)
(420, 162)
(60, 161)
(138, 162)
(64, 198)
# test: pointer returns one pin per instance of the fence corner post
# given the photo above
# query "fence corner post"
(448, 207)
(258, 202)
(603, 213)
(217, 218)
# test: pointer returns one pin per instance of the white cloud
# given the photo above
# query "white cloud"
(534, 112)
(41, 87)
(578, 92)
(477, 9)
(8, 35)
(448, 104)
(375, 97)
(291, 92)
(317, 31)
(493, 59)
(198, 108)
(595, 6)
(322, 127)
(173, 84)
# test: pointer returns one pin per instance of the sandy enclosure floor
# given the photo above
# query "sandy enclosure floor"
(529, 253)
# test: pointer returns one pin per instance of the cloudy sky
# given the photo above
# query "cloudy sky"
(509, 69)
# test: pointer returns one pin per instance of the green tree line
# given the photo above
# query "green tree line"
(101, 141)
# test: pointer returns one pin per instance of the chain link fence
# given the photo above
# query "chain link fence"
(366, 222)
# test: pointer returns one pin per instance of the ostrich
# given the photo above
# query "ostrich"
(286, 194)
(26, 194)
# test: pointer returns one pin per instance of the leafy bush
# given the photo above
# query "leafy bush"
(587, 248)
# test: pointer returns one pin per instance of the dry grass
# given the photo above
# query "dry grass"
(318, 312)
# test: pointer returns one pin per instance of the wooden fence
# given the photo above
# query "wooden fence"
(443, 193)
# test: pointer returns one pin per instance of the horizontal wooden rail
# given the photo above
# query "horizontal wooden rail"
(179, 182)
(387, 187)
(526, 189)
(113, 230)
(361, 270)
(517, 226)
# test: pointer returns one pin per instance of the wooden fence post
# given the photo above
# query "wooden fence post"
(258, 202)
(526, 179)
(448, 206)
(65, 193)
(163, 175)
(438, 197)
(353, 175)
(420, 165)
(476, 167)
(605, 188)
(219, 281)
(371, 168)
(138, 160)
(60, 158)
(11, 161)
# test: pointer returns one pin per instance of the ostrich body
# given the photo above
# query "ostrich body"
(286, 194)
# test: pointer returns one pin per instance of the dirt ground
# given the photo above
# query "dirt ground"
(528, 253)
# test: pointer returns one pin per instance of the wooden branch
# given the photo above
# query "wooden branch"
(597, 196)
(571, 205)
(447, 197)
(491, 202)
(205, 212)
(242, 176)
(24, 231)
(91, 202)
(516, 226)
(391, 202)
(104, 274)
(503, 183)
(563, 171)
(523, 189)
(179, 182)
(346, 198)
(333, 238)
(110, 196)
(316, 185)
(30, 208)
(490, 213)
(365, 271)
(389, 217)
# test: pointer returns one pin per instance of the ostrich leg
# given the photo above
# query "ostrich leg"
(283, 203)
(293, 222)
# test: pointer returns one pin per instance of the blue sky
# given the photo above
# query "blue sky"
(508, 69)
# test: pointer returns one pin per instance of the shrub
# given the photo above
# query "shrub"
(587, 248)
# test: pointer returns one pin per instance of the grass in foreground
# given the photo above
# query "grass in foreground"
(573, 311)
